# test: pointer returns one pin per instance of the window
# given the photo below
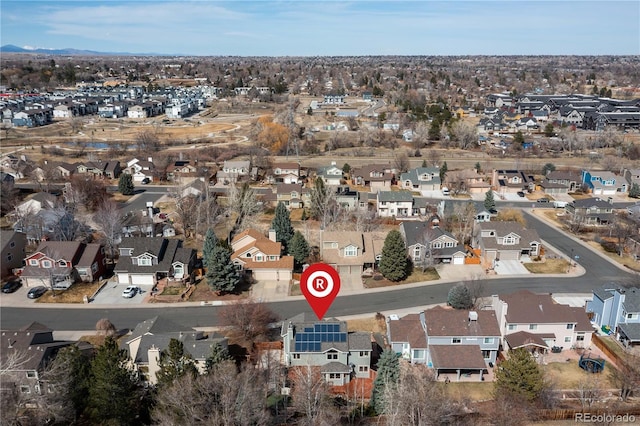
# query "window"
(456, 340)
(9, 257)
(296, 356)
(364, 353)
(488, 340)
(33, 262)
(363, 368)
(62, 263)
(486, 354)
(351, 251)
(416, 253)
(418, 354)
(449, 244)
(31, 374)
(334, 375)
(632, 316)
(144, 261)
(508, 240)
(258, 258)
(512, 327)
(248, 255)
(580, 338)
(13, 244)
(567, 339)
(569, 326)
(332, 355)
(46, 264)
(94, 267)
(436, 244)
(533, 326)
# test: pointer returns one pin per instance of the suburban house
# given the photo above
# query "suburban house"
(100, 170)
(394, 204)
(181, 169)
(456, 343)
(64, 170)
(149, 338)
(351, 199)
(561, 182)
(427, 244)
(538, 323)
(13, 252)
(138, 224)
(466, 181)
(196, 188)
(292, 195)
(145, 261)
(235, 171)
(632, 176)
(59, 264)
(602, 182)
(421, 179)
(286, 173)
(377, 177)
(260, 256)
(331, 175)
(590, 211)
(511, 181)
(26, 380)
(616, 309)
(351, 252)
(37, 202)
(499, 240)
(339, 354)
(140, 169)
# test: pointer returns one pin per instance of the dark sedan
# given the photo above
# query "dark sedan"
(11, 286)
(36, 292)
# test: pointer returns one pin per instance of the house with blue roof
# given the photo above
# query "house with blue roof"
(421, 179)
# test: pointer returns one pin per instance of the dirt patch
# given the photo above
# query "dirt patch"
(416, 276)
(465, 391)
(549, 266)
(75, 293)
(372, 324)
(568, 375)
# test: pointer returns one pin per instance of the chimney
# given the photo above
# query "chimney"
(473, 316)
(610, 200)
(150, 159)
(272, 235)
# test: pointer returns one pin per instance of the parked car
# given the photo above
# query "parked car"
(11, 286)
(36, 292)
(129, 292)
(146, 181)
(543, 200)
(520, 193)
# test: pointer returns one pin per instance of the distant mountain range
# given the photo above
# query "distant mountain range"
(10, 48)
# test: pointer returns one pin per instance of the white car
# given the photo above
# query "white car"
(129, 292)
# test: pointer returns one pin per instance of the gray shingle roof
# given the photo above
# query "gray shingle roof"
(395, 196)
(632, 299)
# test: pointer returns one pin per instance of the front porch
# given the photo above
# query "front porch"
(459, 363)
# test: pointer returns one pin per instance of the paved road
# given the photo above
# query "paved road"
(599, 271)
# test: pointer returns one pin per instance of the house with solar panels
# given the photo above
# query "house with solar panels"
(340, 355)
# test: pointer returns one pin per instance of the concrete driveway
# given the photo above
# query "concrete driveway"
(111, 294)
(510, 267)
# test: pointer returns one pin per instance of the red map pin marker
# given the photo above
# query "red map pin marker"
(320, 284)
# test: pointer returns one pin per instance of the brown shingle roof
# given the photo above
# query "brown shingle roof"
(526, 307)
(523, 338)
(455, 322)
(408, 329)
(451, 357)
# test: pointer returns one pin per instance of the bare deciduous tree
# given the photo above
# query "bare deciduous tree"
(310, 396)
(243, 203)
(108, 219)
(465, 134)
(248, 319)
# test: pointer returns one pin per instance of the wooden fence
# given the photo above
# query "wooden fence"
(612, 355)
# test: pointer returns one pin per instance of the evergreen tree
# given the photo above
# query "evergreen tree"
(388, 375)
(346, 168)
(69, 375)
(424, 163)
(394, 262)
(478, 167)
(443, 171)
(519, 376)
(319, 199)
(304, 215)
(222, 275)
(460, 297)
(434, 130)
(281, 223)
(125, 184)
(518, 139)
(489, 201)
(549, 167)
(299, 249)
(174, 363)
(113, 390)
(217, 356)
(549, 130)
(634, 191)
(210, 243)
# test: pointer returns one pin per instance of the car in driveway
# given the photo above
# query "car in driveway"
(520, 193)
(129, 292)
(543, 200)
(11, 286)
(36, 292)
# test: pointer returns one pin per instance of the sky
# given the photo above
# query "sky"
(326, 27)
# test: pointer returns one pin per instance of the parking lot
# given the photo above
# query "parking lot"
(111, 294)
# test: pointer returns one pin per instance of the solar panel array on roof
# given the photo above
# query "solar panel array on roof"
(311, 339)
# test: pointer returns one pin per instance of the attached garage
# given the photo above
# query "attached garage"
(458, 258)
(272, 274)
(142, 279)
(509, 254)
(350, 270)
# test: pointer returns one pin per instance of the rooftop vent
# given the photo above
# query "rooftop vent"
(473, 316)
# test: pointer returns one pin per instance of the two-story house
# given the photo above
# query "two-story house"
(466, 181)
(140, 169)
(602, 182)
(538, 323)
(617, 309)
(499, 240)
(287, 173)
(561, 182)
(144, 261)
(421, 179)
(12, 246)
(511, 181)
(590, 211)
(456, 343)
(292, 195)
(331, 175)
(59, 264)
(260, 256)
(376, 177)
(351, 252)
(341, 355)
(394, 204)
(149, 338)
(428, 244)
(26, 380)
(632, 176)
(235, 171)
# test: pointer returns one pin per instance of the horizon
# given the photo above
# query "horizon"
(269, 28)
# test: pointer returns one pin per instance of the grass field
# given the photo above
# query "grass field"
(549, 266)
(568, 375)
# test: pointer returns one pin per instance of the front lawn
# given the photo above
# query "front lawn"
(74, 294)
(549, 266)
(416, 276)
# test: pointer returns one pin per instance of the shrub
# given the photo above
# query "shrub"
(609, 246)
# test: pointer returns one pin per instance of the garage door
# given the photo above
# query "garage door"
(143, 279)
(458, 260)
(509, 255)
(123, 278)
